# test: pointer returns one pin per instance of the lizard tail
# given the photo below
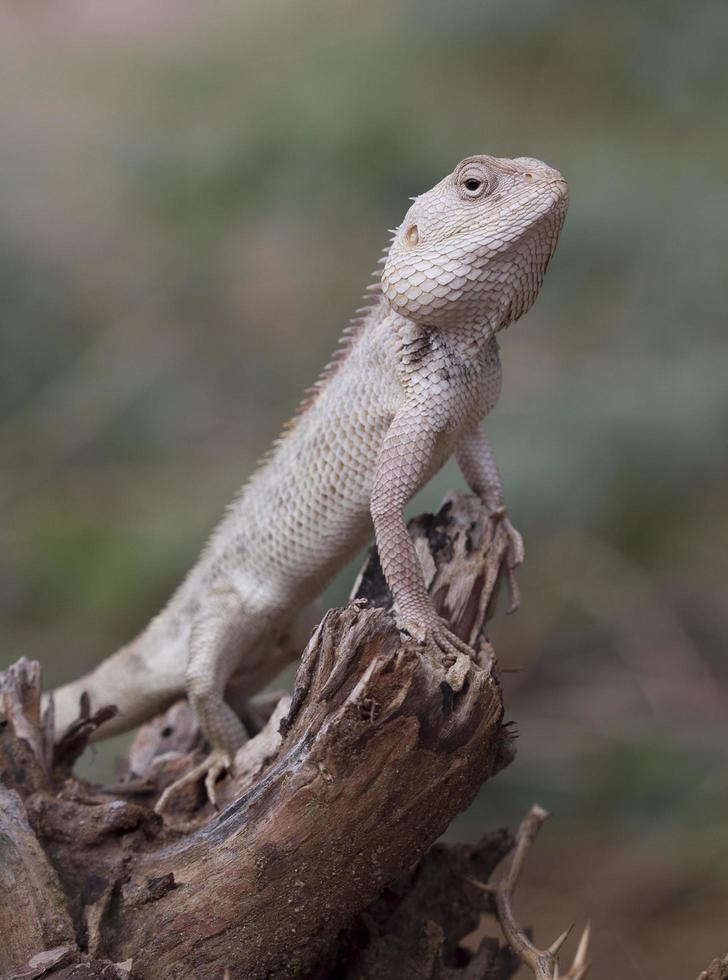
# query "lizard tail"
(130, 680)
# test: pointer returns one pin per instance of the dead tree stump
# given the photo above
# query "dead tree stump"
(312, 869)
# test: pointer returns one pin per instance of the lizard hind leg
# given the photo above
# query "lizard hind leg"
(225, 632)
(275, 652)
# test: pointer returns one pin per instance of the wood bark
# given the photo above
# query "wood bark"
(320, 863)
(718, 970)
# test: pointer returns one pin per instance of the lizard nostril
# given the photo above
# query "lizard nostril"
(412, 235)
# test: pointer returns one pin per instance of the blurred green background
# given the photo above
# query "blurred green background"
(191, 199)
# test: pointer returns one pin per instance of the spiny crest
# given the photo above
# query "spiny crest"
(350, 335)
(372, 299)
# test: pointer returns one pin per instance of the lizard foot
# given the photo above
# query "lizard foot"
(514, 556)
(448, 643)
(456, 655)
(217, 762)
(437, 634)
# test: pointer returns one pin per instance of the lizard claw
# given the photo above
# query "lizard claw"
(436, 633)
(211, 768)
(447, 642)
(515, 554)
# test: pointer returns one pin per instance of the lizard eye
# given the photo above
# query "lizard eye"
(474, 186)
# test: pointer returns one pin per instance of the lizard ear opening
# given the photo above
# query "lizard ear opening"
(412, 235)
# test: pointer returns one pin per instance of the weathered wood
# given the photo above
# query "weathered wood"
(33, 912)
(382, 744)
(718, 970)
(66, 963)
(416, 927)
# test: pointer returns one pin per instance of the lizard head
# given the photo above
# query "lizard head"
(475, 247)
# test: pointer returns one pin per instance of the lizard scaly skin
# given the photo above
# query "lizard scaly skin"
(408, 387)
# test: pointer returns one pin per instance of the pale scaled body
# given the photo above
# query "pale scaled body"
(408, 387)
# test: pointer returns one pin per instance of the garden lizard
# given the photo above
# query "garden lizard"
(412, 379)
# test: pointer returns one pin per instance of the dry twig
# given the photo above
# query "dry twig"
(543, 962)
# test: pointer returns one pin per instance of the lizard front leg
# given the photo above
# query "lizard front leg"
(477, 462)
(405, 460)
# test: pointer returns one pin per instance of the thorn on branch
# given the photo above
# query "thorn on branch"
(543, 962)
(71, 745)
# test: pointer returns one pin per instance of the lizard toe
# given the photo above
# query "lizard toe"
(449, 643)
(211, 768)
(218, 764)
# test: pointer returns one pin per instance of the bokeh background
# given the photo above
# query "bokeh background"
(191, 199)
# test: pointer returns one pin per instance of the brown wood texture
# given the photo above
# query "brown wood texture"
(318, 864)
(718, 970)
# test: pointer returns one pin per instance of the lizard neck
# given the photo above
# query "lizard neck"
(465, 340)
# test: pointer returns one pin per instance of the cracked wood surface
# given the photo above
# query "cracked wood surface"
(334, 802)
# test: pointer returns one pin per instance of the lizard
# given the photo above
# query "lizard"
(409, 385)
